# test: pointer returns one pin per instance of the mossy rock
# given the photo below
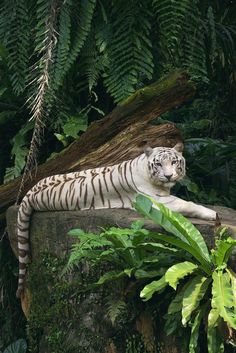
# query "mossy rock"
(63, 317)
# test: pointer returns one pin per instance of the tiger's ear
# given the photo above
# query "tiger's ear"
(148, 150)
(179, 147)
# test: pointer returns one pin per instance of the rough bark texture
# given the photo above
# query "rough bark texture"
(48, 233)
(118, 136)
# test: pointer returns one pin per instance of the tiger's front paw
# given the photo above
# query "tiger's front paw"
(208, 214)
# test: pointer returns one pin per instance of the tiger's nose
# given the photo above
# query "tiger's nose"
(168, 176)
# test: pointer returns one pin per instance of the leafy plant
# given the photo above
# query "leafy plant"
(19, 152)
(179, 259)
(210, 290)
(19, 346)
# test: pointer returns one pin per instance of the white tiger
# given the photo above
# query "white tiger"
(152, 173)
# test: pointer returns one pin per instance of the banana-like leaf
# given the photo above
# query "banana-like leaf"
(184, 246)
(177, 303)
(174, 223)
(223, 297)
(214, 340)
(193, 342)
(222, 253)
(232, 276)
(193, 294)
(152, 288)
(142, 274)
(186, 228)
(113, 275)
(179, 271)
(157, 246)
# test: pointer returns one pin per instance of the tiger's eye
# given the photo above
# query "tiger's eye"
(173, 162)
(158, 164)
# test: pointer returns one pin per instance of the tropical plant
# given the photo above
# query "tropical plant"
(210, 289)
(179, 258)
(19, 346)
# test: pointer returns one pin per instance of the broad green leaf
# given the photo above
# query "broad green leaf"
(193, 342)
(223, 297)
(223, 250)
(213, 318)
(177, 303)
(179, 271)
(152, 288)
(184, 246)
(129, 271)
(74, 125)
(214, 341)
(158, 246)
(176, 224)
(143, 204)
(142, 274)
(186, 228)
(172, 323)
(111, 276)
(232, 276)
(19, 346)
(193, 294)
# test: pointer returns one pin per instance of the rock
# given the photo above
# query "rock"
(87, 320)
(49, 229)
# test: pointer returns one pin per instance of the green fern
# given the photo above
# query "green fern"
(15, 34)
(115, 308)
(69, 47)
(18, 153)
(129, 49)
(182, 34)
(94, 61)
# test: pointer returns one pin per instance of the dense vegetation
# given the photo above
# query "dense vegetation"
(203, 283)
(64, 64)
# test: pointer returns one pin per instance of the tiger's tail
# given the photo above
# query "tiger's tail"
(23, 219)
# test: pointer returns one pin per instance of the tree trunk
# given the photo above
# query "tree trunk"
(116, 137)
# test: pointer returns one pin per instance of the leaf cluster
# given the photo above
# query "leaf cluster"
(203, 284)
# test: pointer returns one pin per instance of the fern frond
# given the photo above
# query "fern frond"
(15, 35)
(64, 40)
(93, 61)
(182, 34)
(129, 49)
(115, 308)
(83, 13)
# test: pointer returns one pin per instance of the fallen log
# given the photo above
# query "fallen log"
(116, 137)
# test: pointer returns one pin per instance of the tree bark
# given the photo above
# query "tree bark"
(116, 137)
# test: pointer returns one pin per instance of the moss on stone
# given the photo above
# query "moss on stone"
(63, 318)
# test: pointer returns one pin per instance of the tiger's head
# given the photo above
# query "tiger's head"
(165, 165)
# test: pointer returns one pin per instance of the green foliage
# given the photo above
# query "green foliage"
(18, 346)
(204, 286)
(15, 35)
(212, 166)
(182, 34)
(114, 42)
(72, 38)
(115, 308)
(19, 152)
(12, 321)
(129, 48)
